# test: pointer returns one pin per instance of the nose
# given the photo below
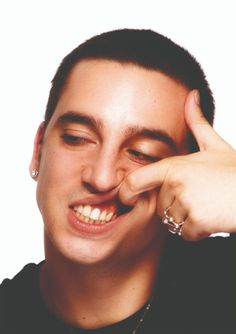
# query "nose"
(104, 172)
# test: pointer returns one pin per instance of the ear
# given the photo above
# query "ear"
(35, 160)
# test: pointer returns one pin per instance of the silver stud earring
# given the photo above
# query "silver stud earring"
(34, 173)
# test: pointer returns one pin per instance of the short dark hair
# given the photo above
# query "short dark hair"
(144, 48)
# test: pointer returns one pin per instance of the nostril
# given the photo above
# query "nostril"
(91, 188)
(103, 174)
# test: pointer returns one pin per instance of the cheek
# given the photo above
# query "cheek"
(145, 209)
(57, 165)
(55, 171)
(153, 200)
(52, 167)
(60, 171)
(146, 222)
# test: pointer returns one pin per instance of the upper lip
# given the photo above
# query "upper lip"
(108, 199)
(100, 198)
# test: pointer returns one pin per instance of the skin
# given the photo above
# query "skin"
(206, 202)
(135, 97)
(93, 280)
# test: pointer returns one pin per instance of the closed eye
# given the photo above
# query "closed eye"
(75, 140)
(142, 157)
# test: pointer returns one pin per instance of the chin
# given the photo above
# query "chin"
(72, 249)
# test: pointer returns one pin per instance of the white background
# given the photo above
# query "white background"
(35, 35)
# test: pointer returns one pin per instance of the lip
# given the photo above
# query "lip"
(100, 199)
(92, 229)
(108, 201)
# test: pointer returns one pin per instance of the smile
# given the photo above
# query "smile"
(95, 215)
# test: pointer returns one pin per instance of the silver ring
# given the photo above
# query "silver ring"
(173, 227)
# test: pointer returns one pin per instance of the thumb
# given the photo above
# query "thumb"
(203, 132)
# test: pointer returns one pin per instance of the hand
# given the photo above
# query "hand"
(200, 187)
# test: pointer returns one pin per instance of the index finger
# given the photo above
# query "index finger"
(143, 179)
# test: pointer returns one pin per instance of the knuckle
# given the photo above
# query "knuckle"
(175, 173)
(188, 236)
(199, 224)
(184, 199)
(194, 217)
(174, 178)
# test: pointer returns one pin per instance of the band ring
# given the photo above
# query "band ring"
(173, 226)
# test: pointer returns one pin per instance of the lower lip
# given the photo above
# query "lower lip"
(86, 228)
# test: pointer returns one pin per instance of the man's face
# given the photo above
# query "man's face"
(110, 119)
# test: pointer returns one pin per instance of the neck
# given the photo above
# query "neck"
(102, 294)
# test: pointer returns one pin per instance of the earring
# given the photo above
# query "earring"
(34, 173)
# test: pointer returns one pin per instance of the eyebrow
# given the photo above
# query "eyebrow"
(156, 134)
(79, 118)
(132, 131)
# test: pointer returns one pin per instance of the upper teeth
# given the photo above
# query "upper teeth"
(94, 214)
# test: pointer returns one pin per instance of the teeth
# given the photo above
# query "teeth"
(109, 216)
(103, 215)
(80, 209)
(86, 210)
(86, 219)
(94, 216)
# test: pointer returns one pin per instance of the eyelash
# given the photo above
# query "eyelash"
(74, 140)
(143, 157)
(136, 155)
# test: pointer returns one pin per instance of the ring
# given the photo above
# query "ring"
(173, 227)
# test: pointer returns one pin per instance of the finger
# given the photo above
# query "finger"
(177, 212)
(143, 179)
(203, 132)
(172, 208)
(166, 198)
(192, 232)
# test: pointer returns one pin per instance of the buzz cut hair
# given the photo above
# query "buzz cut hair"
(145, 48)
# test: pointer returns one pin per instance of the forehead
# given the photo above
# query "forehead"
(122, 95)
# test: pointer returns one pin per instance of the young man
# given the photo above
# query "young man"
(115, 169)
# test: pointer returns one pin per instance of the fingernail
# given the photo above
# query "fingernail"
(197, 97)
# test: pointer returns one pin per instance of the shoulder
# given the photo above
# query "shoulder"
(20, 298)
(22, 309)
(22, 282)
